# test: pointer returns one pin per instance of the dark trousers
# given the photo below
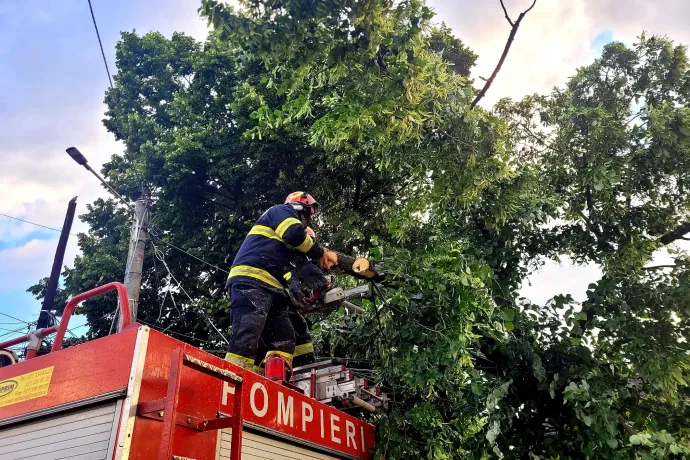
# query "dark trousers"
(304, 348)
(258, 314)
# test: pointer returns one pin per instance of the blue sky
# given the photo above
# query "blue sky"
(52, 81)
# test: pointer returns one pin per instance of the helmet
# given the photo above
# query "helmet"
(302, 201)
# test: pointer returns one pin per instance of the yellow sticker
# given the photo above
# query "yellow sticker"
(25, 387)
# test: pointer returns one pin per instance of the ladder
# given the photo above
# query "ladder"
(166, 409)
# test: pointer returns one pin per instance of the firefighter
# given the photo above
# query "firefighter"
(304, 269)
(259, 305)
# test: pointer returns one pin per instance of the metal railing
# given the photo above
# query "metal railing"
(34, 337)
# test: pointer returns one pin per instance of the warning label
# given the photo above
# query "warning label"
(25, 387)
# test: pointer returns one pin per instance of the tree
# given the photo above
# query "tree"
(612, 377)
(367, 105)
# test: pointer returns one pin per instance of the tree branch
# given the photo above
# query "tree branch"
(656, 267)
(506, 13)
(593, 228)
(676, 234)
(625, 425)
(506, 49)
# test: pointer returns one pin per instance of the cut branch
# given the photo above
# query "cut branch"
(676, 234)
(506, 49)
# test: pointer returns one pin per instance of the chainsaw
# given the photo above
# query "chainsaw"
(335, 297)
(331, 300)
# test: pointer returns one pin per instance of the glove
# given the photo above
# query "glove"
(328, 260)
(294, 290)
(313, 278)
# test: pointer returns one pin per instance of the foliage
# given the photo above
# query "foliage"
(365, 104)
(418, 336)
(612, 146)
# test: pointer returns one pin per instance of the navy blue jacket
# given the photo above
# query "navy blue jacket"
(271, 247)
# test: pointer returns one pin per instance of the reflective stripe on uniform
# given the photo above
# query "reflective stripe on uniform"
(256, 273)
(246, 363)
(306, 244)
(286, 356)
(287, 276)
(284, 225)
(304, 349)
(265, 231)
(268, 232)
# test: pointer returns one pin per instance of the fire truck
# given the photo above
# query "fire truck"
(140, 395)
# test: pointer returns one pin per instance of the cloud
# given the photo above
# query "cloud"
(53, 82)
(23, 266)
(560, 278)
(554, 38)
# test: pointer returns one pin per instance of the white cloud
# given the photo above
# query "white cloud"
(560, 278)
(554, 38)
(61, 105)
(23, 266)
(37, 178)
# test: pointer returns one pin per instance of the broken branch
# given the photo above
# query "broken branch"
(506, 49)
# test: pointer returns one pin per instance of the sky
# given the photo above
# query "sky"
(52, 82)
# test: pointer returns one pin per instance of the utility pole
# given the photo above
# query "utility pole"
(135, 259)
(137, 240)
(44, 318)
(51, 288)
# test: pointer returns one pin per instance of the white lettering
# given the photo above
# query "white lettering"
(350, 433)
(285, 410)
(227, 390)
(335, 429)
(323, 434)
(252, 399)
(307, 415)
(361, 432)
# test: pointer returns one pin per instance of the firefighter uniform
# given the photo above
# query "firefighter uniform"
(304, 347)
(259, 306)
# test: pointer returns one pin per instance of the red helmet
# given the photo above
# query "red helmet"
(304, 199)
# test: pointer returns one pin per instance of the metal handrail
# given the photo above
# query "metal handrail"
(77, 299)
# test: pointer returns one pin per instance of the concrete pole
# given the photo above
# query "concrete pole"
(135, 259)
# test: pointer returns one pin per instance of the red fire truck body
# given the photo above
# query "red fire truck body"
(142, 395)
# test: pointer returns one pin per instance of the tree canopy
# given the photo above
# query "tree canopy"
(366, 104)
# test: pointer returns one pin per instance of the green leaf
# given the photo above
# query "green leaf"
(509, 326)
(580, 315)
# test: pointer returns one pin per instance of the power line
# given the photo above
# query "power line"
(16, 331)
(101, 45)
(34, 223)
(173, 332)
(154, 233)
(192, 303)
(10, 316)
